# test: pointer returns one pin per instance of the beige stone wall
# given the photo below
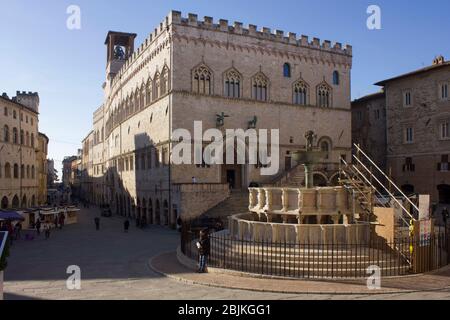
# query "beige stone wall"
(424, 116)
(386, 219)
(15, 153)
(42, 168)
(178, 46)
(369, 127)
(195, 199)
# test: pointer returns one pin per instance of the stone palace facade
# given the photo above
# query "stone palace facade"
(194, 70)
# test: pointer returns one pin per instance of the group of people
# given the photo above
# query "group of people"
(58, 222)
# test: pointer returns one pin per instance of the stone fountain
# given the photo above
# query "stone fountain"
(308, 158)
(301, 214)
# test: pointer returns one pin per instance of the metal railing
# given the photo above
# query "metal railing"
(321, 260)
(360, 172)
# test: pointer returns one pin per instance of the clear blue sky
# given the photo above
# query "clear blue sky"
(67, 68)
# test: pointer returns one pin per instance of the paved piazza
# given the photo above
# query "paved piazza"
(114, 265)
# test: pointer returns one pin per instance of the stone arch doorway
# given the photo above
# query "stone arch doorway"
(138, 209)
(24, 201)
(320, 180)
(157, 213)
(5, 203)
(144, 212)
(444, 193)
(150, 211)
(334, 179)
(165, 213)
(234, 174)
(15, 202)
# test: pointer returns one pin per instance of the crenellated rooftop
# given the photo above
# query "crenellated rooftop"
(264, 33)
(237, 28)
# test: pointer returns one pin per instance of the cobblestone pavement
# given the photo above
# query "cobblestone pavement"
(114, 265)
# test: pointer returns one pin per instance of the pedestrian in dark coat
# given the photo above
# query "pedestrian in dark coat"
(203, 246)
(47, 231)
(38, 226)
(126, 225)
(97, 223)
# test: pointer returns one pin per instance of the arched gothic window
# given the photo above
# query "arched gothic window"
(156, 86)
(32, 172)
(324, 96)
(28, 171)
(15, 136)
(126, 109)
(22, 171)
(27, 138)
(6, 133)
(32, 140)
(287, 70)
(336, 78)
(131, 101)
(7, 170)
(201, 80)
(142, 96)
(137, 100)
(325, 147)
(260, 86)
(16, 171)
(300, 93)
(165, 81)
(232, 84)
(148, 89)
(22, 137)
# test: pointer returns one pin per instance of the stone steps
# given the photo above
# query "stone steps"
(236, 203)
(311, 272)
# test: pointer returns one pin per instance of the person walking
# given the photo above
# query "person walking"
(38, 226)
(97, 223)
(126, 225)
(47, 231)
(55, 221)
(18, 230)
(203, 246)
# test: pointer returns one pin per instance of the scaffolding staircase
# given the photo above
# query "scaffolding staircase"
(371, 187)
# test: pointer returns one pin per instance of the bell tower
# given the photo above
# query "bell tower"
(120, 46)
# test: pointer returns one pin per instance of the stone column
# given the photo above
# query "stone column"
(345, 219)
(261, 199)
(309, 183)
(285, 199)
(268, 206)
(251, 199)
